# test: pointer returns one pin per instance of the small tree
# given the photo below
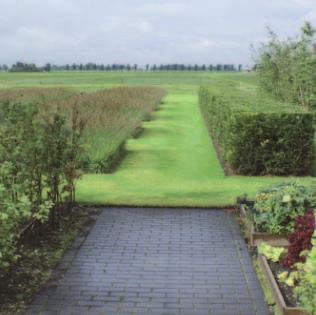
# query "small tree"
(286, 68)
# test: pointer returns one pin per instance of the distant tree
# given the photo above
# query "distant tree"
(90, 66)
(219, 67)
(135, 67)
(67, 67)
(24, 67)
(47, 67)
(147, 67)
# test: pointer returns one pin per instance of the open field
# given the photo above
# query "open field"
(174, 162)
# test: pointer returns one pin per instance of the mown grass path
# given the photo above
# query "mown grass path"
(173, 163)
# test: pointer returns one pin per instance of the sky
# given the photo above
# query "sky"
(144, 31)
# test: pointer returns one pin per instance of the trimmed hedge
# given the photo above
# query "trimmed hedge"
(259, 136)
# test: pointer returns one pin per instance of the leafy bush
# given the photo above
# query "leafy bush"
(306, 290)
(43, 147)
(257, 134)
(287, 68)
(275, 209)
(38, 168)
(301, 239)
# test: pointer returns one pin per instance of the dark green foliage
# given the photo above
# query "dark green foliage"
(24, 67)
(39, 159)
(110, 164)
(37, 258)
(258, 136)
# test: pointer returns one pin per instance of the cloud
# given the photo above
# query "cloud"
(163, 9)
(143, 31)
(203, 44)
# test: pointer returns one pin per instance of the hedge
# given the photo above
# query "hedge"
(257, 135)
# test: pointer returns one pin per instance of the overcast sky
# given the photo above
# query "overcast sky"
(143, 31)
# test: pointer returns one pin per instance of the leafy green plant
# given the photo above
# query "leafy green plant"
(306, 290)
(271, 253)
(35, 158)
(289, 278)
(275, 209)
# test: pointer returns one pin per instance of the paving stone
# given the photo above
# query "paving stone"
(156, 261)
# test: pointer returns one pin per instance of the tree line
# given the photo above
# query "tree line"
(31, 67)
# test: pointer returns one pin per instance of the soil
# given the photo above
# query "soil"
(286, 291)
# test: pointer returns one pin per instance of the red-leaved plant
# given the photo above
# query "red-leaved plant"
(300, 239)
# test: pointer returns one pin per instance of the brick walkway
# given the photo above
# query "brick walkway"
(158, 261)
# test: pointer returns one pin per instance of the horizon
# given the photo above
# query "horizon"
(144, 32)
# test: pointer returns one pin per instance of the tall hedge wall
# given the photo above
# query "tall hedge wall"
(257, 135)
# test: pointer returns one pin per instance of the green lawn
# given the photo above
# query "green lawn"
(173, 163)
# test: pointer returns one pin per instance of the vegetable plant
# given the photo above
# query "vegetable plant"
(275, 209)
(300, 239)
(306, 290)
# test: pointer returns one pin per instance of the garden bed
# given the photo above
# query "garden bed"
(255, 237)
(41, 261)
(283, 297)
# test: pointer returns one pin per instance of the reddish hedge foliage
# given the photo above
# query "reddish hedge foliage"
(300, 239)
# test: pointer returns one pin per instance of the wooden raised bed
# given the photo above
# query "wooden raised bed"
(255, 237)
(279, 300)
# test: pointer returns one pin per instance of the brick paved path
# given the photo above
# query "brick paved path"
(158, 261)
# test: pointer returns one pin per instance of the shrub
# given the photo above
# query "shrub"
(38, 168)
(275, 209)
(258, 135)
(287, 68)
(111, 116)
(301, 239)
